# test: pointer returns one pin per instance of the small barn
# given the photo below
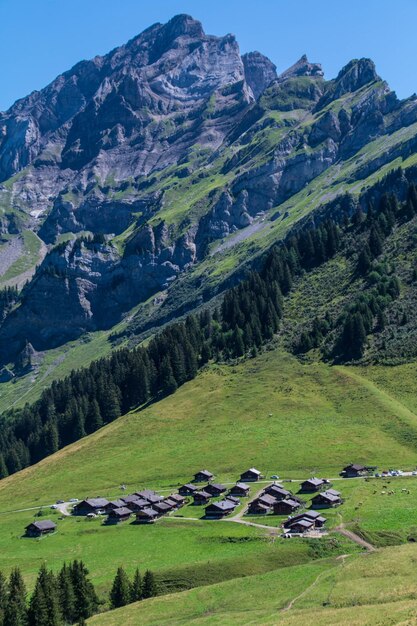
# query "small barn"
(312, 484)
(315, 516)
(202, 476)
(215, 489)
(114, 504)
(326, 499)
(154, 498)
(137, 504)
(144, 493)
(267, 499)
(240, 490)
(278, 492)
(38, 529)
(176, 500)
(118, 515)
(187, 490)
(353, 470)
(220, 509)
(201, 497)
(162, 507)
(286, 507)
(262, 505)
(302, 525)
(233, 499)
(251, 475)
(97, 506)
(147, 516)
(258, 508)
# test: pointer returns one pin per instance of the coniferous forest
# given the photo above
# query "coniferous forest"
(67, 597)
(248, 317)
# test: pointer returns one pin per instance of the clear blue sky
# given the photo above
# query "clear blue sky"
(39, 39)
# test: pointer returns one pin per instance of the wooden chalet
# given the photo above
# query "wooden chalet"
(240, 490)
(220, 509)
(315, 516)
(215, 489)
(201, 497)
(144, 493)
(202, 476)
(313, 484)
(251, 475)
(278, 492)
(353, 470)
(233, 499)
(131, 498)
(258, 508)
(326, 499)
(302, 525)
(267, 499)
(176, 499)
(38, 529)
(137, 504)
(162, 507)
(97, 506)
(147, 516)
(262, 505)
(154, 498)
(286, 507)
(114, 504)
(187, 490)
(118, 515)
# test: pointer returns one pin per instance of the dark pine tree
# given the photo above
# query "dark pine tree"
(136, 587)
(15, 613)
(149, 587)
(120, 593)
(66, 594)
(86, 600)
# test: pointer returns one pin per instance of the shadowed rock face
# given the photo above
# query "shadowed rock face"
(110, 103)
(259, 72)
(88, 149)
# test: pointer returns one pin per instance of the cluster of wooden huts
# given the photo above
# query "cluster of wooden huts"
(146, 505)
(278, 500)
(203, 496)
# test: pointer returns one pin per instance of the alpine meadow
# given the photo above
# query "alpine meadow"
(208, 341)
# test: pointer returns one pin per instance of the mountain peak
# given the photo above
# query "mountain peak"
(183, 25)
(357, 73)
(302, 67)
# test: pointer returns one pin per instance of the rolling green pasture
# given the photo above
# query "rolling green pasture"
(183, 553)
(272, 412)
(358, 590)
(285, 417)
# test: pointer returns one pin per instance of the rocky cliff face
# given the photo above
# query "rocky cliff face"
(171, 143)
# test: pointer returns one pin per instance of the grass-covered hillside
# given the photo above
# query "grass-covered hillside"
(247, 415)
(271, 412)
(371, 589)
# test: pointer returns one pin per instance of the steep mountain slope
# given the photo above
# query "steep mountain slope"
(185, 161)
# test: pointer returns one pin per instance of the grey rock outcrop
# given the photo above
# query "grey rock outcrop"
(302, 67)
(259, 72)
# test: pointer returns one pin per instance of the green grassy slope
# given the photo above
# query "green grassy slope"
(357, 590)
(273, 412)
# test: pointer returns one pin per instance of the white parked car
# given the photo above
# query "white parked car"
(74, 500)
(54, 506)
